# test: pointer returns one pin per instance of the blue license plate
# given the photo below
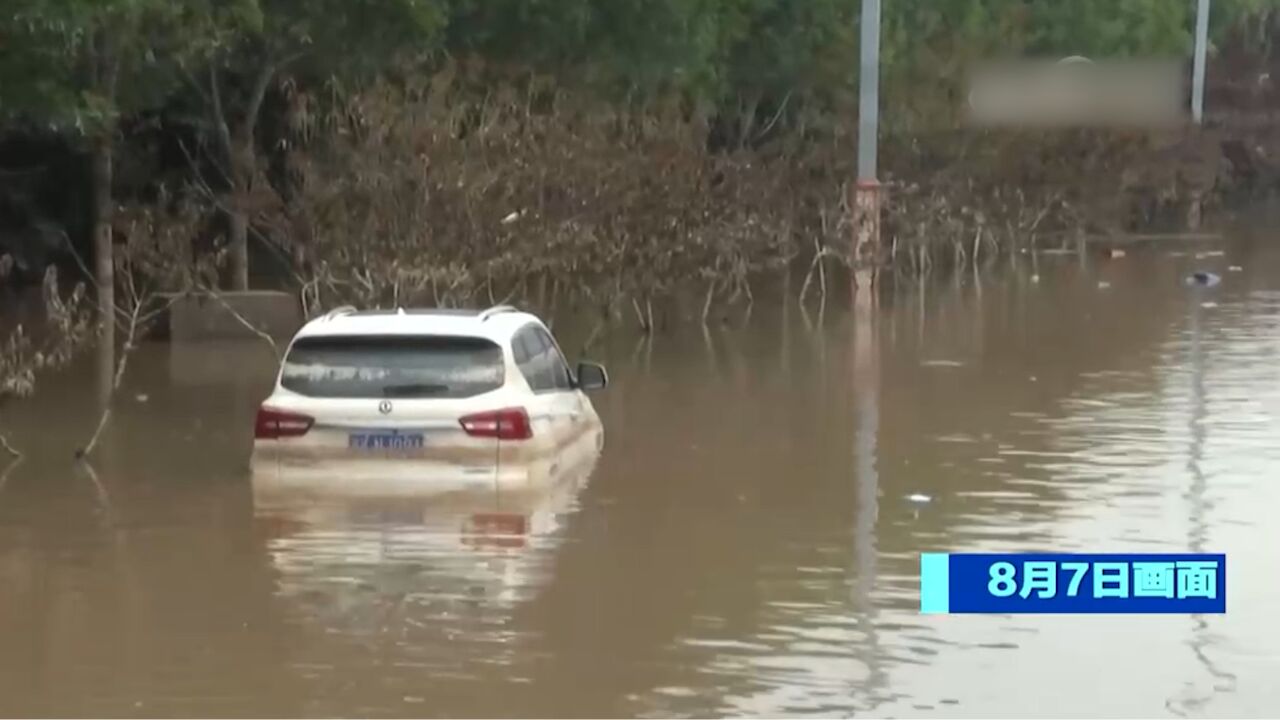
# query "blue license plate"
(384, 440)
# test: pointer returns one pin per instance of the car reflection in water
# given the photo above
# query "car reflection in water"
(403, 566)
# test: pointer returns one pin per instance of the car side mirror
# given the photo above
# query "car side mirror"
(590, 376)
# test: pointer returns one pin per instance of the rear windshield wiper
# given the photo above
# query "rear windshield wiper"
(411, 389)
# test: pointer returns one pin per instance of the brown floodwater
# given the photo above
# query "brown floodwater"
(747, 544)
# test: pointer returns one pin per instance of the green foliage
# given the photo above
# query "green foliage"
(83, 63)
(708, 50)
(334, 36)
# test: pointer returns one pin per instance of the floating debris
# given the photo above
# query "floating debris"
(1103, 285)
(942, 363)
(1209, 254)
(1235, 268)
(141, 398)
(919, 498)
(1035, 278)
(1203, 279)
(1209, 305)
(1117, 253)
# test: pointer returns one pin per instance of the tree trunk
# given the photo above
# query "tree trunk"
(238, 236)
(105, 71)
(244, 165)
(104, 268)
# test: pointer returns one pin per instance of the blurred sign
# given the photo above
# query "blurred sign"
(1077, 91)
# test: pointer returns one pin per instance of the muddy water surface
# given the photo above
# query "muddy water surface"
(747, 543)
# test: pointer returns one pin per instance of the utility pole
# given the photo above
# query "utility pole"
(866, 196)
(1195, 207)
(1197, 73)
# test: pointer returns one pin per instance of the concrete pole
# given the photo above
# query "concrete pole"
(1197, 76)
(866, 196)
(1195, 202)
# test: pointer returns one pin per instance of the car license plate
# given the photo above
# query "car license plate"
(384, 440)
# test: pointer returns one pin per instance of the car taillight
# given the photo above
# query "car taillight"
(506, 424)
(272, 424)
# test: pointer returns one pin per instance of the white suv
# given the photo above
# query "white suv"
(431, 399)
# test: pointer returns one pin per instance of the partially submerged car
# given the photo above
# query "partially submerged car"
(426, 400)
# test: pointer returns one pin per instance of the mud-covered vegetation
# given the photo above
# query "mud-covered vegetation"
(459, 152)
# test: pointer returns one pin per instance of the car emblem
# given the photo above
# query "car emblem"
(384, 407)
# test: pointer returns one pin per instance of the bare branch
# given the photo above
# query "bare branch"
(4, 476)
(781, 107)
(12, 451)
(104, 498)
(219, 116)
(130, 339)
(200, 183)
(235, 314)
(195, 84)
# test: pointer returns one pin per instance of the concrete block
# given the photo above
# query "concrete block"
(203, 317)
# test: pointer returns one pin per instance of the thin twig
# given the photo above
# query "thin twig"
(219, 116)
(822, 277)
(781, 107)
(711, 347)
(808, 277)
(199, 183)
(115, 384)
(4, 445)
(235, 314)
(121, 312)
(8, 470)
(635, 305)
(506, 299)
(104, 498)
(591, 338)
(706, 305)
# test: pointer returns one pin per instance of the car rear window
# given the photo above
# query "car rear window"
(391, 367)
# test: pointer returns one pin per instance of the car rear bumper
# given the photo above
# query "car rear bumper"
(329, 472)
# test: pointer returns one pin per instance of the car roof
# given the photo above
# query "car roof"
(498, 323)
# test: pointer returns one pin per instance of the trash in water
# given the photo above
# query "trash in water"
(1209, 305)
(1235, 268)
(141, 398)
(1117, 253)
(1103, 284)
(1035, 278)
(919, 498)
(1203, 279)
(1209, 254)
(942, 363)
